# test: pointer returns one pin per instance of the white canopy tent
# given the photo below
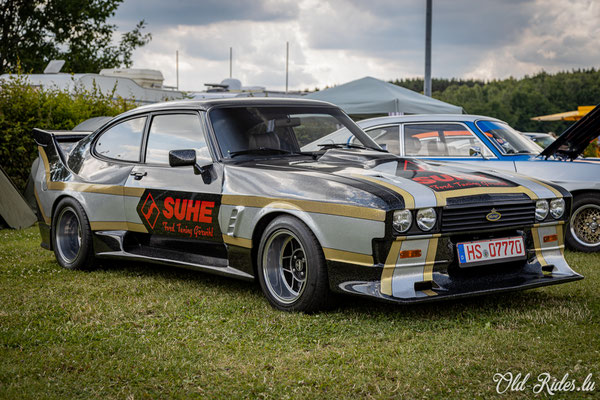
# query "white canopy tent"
(373, 96)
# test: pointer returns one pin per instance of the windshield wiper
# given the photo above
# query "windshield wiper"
(349, 146)
(267, 151)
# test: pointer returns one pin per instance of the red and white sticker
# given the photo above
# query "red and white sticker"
(490, 251)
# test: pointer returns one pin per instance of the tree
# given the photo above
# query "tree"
(33, 32)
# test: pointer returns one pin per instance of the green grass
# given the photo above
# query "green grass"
(141, 331)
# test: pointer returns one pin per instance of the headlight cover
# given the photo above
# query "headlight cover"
(557, 208)
(541, 209)
(402, 220)
(426, 218)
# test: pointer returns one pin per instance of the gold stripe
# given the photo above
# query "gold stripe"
(117, 226)
(37, 198)
(443, 196)
(553, 190)
(305, 205)
(430, 259)
(348, 257)
(561, 236)
(238, 241)
(409, 200)
(538, 247)
(388, 269)
(429, 292)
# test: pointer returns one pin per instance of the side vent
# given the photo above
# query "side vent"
(233, 219)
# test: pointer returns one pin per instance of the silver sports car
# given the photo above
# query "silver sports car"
(223, 186)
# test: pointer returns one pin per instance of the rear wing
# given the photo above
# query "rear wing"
(57, 144)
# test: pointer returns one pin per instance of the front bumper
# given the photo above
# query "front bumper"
(436, 275)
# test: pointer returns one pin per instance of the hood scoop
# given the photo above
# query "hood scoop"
(357, 157)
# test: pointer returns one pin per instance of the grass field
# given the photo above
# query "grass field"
(140, 331)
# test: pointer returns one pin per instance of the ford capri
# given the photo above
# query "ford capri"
(223, 186)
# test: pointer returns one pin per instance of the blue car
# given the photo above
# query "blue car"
(490, 143)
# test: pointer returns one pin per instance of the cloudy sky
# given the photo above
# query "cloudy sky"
(335, 41)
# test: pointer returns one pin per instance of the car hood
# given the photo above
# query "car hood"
(420, 183)
(575, 139)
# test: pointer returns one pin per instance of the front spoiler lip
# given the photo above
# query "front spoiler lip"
(443, 294)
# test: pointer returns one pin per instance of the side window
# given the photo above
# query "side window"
(122, 141)
(445, 140)
(387, 137)
(175, 132)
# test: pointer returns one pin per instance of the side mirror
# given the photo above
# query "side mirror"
(475, 151)
(182, 158)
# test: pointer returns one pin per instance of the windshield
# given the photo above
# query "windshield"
(506, 139)
(277, 130)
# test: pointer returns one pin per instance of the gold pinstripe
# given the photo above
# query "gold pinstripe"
(348, 257)
(388, 269)
(538, 247)
(319, 207)
(117, 226)
(237, 241)
(46, 219)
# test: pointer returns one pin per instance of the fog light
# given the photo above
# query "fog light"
(426, 218)
(557, 208)
(402, 220)
(541, 209)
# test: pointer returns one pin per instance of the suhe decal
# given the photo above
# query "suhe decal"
(191, 215)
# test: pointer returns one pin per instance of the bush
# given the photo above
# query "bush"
(23, 107)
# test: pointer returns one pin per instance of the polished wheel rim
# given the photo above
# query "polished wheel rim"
(284, 266)
(68, 235)
(585, 225)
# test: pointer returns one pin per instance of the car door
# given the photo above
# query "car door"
(178, 208)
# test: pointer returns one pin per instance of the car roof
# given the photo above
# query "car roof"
(395, 119)
(205, 104)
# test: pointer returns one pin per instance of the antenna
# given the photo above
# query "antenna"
(287, 58)
(231, 62)
(177, 68)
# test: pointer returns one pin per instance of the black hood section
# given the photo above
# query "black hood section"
(362, 158)
(575, 139)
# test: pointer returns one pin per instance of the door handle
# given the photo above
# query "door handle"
(138, 175)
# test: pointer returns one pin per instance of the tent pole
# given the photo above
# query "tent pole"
(427, 80)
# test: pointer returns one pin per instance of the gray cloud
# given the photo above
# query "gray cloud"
(158, 13)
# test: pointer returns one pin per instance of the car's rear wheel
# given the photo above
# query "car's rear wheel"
(291, 267)
(72, 236)
(583, 232)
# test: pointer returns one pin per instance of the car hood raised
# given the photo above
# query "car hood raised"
(576, 138)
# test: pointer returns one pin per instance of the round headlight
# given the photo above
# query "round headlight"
(557, 208)
(402, 220)
(541, 209)
(426, 218)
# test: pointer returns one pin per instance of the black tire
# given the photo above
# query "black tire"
(291, 267)
(583, 230)
(72, 236)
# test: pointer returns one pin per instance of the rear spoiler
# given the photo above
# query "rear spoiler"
(44, 138)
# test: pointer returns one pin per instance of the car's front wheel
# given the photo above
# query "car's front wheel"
(291, 266)
(583, 232)
(72, 236)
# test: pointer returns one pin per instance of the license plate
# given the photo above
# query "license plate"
(491, 251)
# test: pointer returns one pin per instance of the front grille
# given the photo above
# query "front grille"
(466, 217)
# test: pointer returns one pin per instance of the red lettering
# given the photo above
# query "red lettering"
(180, 208)
(206, 212)
(424, 180)
(192, 210)
(478, 251)
(168, 211)
(443, 178)
(470, 251)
